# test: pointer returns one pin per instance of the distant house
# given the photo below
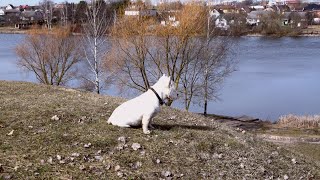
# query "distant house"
(316, 16)
(226, 8)
(31, 16)
(11, 10)
(59, 6)
(295, 19)
(171, 20)
(222, 23)
(137, 11)
(9, 7)
(25, 7)
(2, 12)
(316, 20)
(219, 21)
(312, 7)
(281, 8)
(314, 12)
(214, 13)
(254, 17)
(257, 8)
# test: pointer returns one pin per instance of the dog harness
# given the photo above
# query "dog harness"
(161, 102)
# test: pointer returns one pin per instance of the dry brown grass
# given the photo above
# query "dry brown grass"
(187, 144)
(291, 120)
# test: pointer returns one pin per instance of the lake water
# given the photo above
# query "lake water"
(274, 77)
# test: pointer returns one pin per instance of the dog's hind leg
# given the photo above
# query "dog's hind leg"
(145, 124)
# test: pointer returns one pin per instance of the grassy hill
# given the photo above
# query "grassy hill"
(80, 144)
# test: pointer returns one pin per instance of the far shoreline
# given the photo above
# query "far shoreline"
(7, 30)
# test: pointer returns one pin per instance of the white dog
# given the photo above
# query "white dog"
(143, 108)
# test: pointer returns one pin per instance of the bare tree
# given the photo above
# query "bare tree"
(131, 52)
(218, 64)
(51, 56)
(146, 50)
(80, 12)
(94, 41)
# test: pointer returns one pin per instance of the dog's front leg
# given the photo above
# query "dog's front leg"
(145, 124)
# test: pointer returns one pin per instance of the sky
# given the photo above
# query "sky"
(29, 2)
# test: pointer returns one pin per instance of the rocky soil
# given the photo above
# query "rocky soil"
(56, 133)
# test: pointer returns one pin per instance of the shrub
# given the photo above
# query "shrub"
(308, 121)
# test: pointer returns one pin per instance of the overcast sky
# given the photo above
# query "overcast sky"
(28, 2)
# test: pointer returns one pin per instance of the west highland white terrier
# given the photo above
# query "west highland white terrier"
(142, 109)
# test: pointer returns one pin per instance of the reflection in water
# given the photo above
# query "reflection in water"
(274, 77)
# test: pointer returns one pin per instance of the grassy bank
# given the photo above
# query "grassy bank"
(78, 143)
(11, 30)
(310, 31)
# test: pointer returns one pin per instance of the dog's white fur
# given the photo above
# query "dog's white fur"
(143, 108)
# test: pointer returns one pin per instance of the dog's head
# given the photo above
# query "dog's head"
(169, 89)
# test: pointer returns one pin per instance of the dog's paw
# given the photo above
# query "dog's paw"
(147, 132)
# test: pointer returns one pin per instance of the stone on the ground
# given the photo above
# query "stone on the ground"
(10, 133)
(166, 173)
(122, 139)
(75, 154)
(87, 145)
(117, 168)
(50, 160)
(82, 167)
(99, 158)
(136, 146)
(120, 174)
(55, 118)
(137, 165)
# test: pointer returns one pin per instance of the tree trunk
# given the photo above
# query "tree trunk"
(206, 91)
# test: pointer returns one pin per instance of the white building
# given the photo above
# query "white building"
(172, 21)
(10, 7)
(135, 11)
(146, 12)
(1, 12)
(222, 24)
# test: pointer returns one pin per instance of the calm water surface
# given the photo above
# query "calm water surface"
(8, 68)
(274, 77)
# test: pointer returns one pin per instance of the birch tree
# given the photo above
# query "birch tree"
(47, 6)
(95, 42)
